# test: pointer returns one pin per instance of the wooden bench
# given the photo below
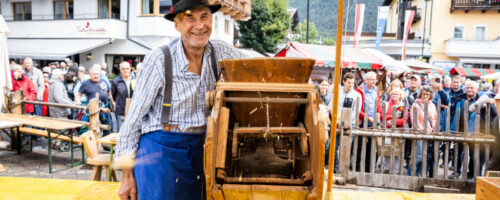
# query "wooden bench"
(43, 133)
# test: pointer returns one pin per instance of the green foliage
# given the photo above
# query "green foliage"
(324, 14)
(269, 25)
(328, 41)
(301, 32)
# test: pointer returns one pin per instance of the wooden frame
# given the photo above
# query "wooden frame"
(156, 9)
(65, 8)
(23, 9)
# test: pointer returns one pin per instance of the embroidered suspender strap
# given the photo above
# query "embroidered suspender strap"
(214, 62)
(167, 94)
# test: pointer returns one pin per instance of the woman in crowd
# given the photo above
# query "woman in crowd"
(396, 101)
(425, 96)
(21, 81)
(325, 96)
(396, 83)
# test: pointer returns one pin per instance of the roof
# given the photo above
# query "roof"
(472, 72)
(38, 48)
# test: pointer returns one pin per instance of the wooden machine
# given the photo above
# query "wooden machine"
(264, 139)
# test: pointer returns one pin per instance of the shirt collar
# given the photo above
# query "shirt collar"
(183, 55)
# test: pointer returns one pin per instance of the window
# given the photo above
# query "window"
(226, 26)
(108, 9)
(63, 9)
(22, 10)
(480, 33)
(155, 7)
(497, 66)
(458, 32)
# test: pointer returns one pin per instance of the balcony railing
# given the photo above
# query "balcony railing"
(467, 5)
(68, 17)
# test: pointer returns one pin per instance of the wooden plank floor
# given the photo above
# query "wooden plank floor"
(360, 195)
(38, 188)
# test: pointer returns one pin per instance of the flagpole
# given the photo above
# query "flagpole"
(336, 84)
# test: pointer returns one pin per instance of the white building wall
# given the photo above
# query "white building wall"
(120, 47)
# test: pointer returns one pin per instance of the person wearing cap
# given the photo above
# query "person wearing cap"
(169, 156)
(413, 89)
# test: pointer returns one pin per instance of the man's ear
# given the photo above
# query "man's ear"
(177, 25)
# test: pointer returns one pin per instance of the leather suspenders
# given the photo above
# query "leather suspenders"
(167, 95)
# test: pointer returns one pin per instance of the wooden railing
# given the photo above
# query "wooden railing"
(375, 156)
(475, 5)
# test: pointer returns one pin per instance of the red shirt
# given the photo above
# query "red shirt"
(29, 91)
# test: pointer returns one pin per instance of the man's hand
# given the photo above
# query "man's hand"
(128, 187)
(78, 103)
(490, 101)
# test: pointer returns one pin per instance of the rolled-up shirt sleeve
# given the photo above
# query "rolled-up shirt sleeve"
(149, 82)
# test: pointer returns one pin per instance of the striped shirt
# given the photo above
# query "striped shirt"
(188, 108)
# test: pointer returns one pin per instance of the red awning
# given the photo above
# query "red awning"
(472, 72)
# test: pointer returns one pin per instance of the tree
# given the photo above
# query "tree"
(268, 26)
(300, 32)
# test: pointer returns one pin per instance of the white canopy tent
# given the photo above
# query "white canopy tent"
(5, 77)
(390, 64)
(493, 76)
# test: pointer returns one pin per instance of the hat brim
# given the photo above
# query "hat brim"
(213, 8)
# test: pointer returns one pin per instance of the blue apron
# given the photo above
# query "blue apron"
(169, 165)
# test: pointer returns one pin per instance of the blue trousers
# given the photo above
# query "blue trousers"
(170, 166)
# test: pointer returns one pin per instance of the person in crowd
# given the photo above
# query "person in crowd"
(486, 87)
(69, 83)
(36, 76)
(46, 78)
(324, 94)
(52, 66)
(58, 94)
(348, 98)
(121, 89)
(103, 76)
(21, 81)
(456, 94)
(396, 103)
(63, 66)
(369, 98)
(82, 76)
(413, 89)
(94, 86)
(471, 95)
(447, 84)
(442, 96)
(72, 67)
(137, 70)
(424, 97)
(396, 83)
(46, 70)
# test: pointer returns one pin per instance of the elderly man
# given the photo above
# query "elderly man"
(58, 94)
(168, 135)
(369, 98)
(92, 87)
(63, 67)
(72, 67)
(413, 89)
(121, 89)
(21, 81)
(36, 76)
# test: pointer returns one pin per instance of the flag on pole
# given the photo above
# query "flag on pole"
(408, 21)
(358, 27)
(381, 21)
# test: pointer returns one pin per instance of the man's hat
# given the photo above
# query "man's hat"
(180, 6)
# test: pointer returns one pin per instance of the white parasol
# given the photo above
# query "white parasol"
(5, 79)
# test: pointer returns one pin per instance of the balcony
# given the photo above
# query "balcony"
(240, 10)
(473, 48)
(82, 26)
(467, 5)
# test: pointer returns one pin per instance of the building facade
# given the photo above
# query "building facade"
(460, 33)
(101, 31)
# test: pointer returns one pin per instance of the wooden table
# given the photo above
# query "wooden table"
(54, 189)
(11, 125)
(50, 125)
(111, 140)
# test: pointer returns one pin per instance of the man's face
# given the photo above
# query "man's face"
(447, 82)
(413, 83)
(195, 28)
(63, 65)
(81, 74)
(456, 84)
(28, 64)
(95, 76)
(125, 70)
(323, 86)
(470, 90)
(348, 84)
(370, 81)
(436, 86)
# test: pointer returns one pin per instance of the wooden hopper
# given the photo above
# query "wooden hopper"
(264, 139)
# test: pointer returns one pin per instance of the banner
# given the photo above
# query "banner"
(383, 11)
(408, 21)
(358, 26)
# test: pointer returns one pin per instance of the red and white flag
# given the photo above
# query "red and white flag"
(358, 27)
(408, 21)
